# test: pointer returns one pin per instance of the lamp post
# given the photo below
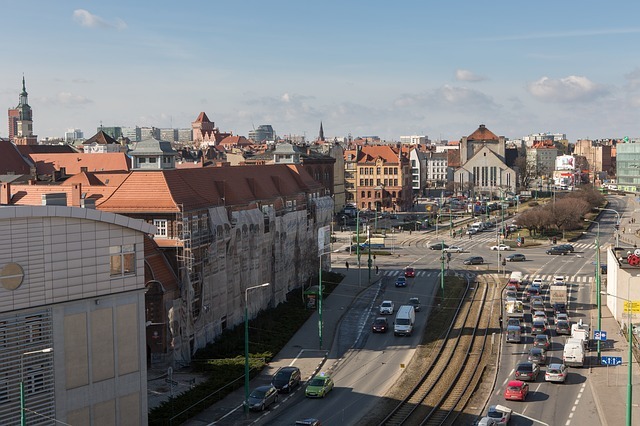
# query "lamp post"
(246, 344)
(442, 270)
(22, 401)
(320, 296)
(617, 224)
(598, 295)
(630, 354)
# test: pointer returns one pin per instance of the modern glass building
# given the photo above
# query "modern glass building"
(628, 166)
(263, 133)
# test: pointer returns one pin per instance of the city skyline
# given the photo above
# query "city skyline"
(386, 70)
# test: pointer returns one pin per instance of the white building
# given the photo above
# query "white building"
(72, 316)
(437, 169)
(418, 161)
(414, 140)
(73, 135)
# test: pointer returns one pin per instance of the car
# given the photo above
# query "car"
(516, 257)
(538, 356)
(537, 286)
(562, 316)
(472, 231)
(380, 325)
(501, 247)
(473, 260)
(563, 327)
(527, 371)
(262, 397)
(542, 341)
(500, 413)
(556, 373)
(516, 391)
(558, 280)
(487, 421)
(308, 422)
(454, 249)
(538, 327)
(537, 282)
(514, 322)
(511, 295)
(409, 272)
(530, 293)
(557, 250)
(401, 282)
(567, 246)
(536, 305)
(286, 378)
(415, 302)
(438, 246)
(319, 386)
(386, 307)
(540, 316)
(559, 308)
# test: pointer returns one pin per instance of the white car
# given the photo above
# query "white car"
(562, 317)
(537, 282)
(472, 231)
(386, 307)
(501, 247)
(454, 249)
(500, 414)
(540, 316)
(558, 280)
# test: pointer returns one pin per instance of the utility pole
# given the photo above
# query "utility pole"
(442, 270)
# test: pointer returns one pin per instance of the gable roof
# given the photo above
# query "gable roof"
(202, 118)
(368, 154)
(12, 161)
(100, 138)
(46, 164)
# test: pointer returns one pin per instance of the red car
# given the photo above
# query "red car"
(409, 272)
(516, 391)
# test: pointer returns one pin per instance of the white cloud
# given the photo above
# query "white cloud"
(633, 79)
(66, 99)
(466, 75)
(452, 97)
(89, 20)
(569, 89)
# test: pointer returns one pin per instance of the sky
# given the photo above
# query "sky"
(379, 68)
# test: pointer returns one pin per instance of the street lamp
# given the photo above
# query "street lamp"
(617, 223)
(22, 402)
(246, 344)
(598, 295)
(320, 292)
(630, 355)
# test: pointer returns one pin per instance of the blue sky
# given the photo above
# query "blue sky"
(362, 68)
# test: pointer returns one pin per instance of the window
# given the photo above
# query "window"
(386, 170)
(161, 225)
(362, 194)
(368, 194)
(194, 225)
(142, 160)
(152, 159)
(377, 170)
(361, 182)
(123, 260)
(83, 169)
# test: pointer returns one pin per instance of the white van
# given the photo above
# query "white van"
(405, 318)
(574, 353)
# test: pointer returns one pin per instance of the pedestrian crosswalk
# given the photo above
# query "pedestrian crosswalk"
(491, 240)
(574, 279)
(395, 273)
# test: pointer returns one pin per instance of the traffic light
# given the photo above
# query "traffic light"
(617, 226)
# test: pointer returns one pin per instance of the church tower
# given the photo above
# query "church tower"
(321, 134)
(22, 120)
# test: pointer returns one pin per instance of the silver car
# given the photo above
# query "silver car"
(556, 373)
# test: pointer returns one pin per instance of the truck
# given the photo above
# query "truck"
(515, 279)
(405, 318)
(580, 331)
(574, 352)
(514, 308)
(374, 242)
(557, 294)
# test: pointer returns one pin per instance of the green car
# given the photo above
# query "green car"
(319, 386)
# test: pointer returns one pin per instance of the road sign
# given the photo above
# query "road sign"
(519, 240)
(599, 335)
(519, 243)
(611, 360)
(635, 307)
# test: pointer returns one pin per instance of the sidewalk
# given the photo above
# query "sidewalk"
(303, 349)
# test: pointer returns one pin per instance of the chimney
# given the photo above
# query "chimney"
(5, 194)
(76, 194)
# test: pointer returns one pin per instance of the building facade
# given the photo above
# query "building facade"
(628, 166)
(72, 325)
(263, 133)
(541, 159)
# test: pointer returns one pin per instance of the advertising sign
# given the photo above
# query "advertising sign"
(565, 162)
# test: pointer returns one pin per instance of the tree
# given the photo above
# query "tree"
(526, 170)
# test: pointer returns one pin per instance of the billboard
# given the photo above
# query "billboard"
(565, 162)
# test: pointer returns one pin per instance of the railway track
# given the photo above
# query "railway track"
(456, 366)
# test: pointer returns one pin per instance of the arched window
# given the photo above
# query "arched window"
(362, 194)
(368, 194)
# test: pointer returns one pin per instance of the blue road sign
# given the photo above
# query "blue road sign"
(599, 335)
(611, 360)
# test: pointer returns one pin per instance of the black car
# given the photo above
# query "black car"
(286, 378)
(567, 246)
(438, 246)
(516, 257)
(559, 308)
(527, 371)
(474, 260)
(538, 327)
(530, 292)
(558, 250)
(380, 325)
(262, 397)
(563, 327)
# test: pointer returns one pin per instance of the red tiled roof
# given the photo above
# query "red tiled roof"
(482, 134)
(453, 157)
(369, 153)
(31, 195)
(11, 161)
(166, 191)
(100, 138)
(202, 118)
(46, 164)
(158, 267)
(231, 141)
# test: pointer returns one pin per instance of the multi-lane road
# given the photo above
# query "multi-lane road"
(367, 365)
